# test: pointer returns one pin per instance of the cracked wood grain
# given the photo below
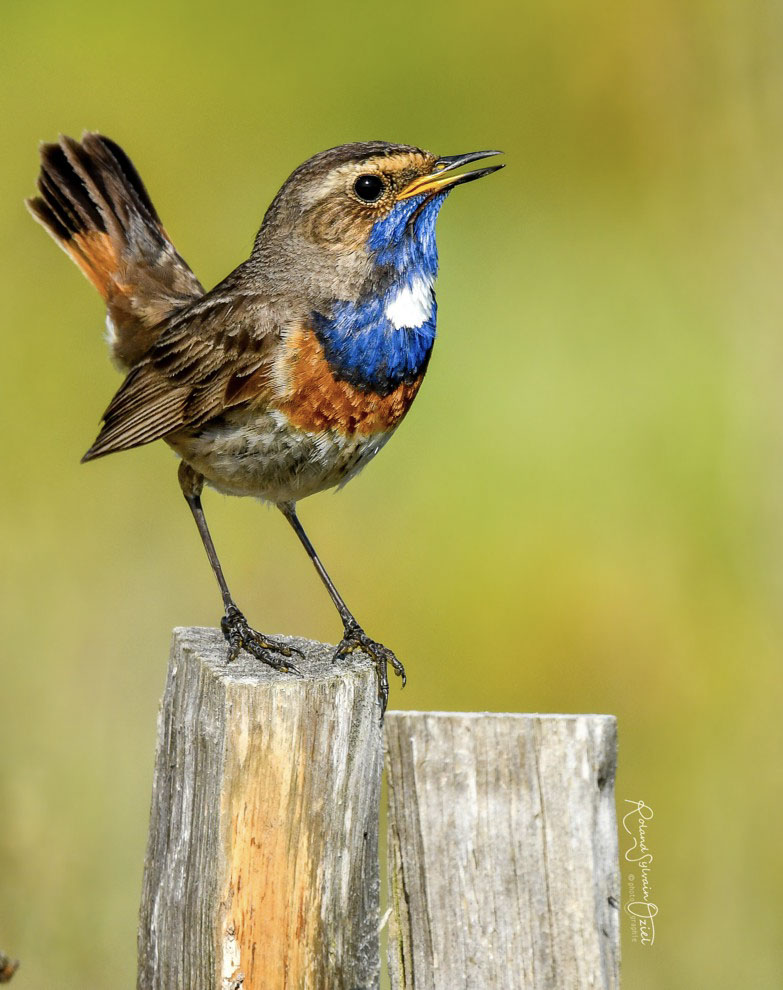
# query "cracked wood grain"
(502, 838)
(262, 862)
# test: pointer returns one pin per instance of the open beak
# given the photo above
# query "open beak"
(440, 177)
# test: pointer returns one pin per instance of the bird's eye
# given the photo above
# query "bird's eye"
(368, 188)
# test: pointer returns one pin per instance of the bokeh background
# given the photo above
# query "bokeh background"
(583, 511)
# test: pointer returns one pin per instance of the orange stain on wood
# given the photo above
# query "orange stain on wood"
(271, 900)
(315, 400)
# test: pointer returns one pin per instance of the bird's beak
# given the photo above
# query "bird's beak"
(437, 181)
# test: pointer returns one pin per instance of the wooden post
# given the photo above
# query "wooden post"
(503, 866)
(262, 862)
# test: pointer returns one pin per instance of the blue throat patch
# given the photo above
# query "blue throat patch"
(360, 342)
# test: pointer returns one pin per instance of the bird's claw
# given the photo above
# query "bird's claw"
(240, 635)
(356, 638)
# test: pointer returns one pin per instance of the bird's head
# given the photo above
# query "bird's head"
(359, 212)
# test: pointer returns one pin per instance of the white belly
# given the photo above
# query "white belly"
(267, 458)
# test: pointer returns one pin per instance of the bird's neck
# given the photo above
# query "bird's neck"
(384, 338)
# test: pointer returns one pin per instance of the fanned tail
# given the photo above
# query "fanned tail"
(95, 206)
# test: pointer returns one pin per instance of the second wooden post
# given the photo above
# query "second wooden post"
(502, 851)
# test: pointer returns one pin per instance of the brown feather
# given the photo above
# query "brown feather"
(95, 206)
(200, 366)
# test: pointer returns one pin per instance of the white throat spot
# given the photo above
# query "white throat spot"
(411, 305)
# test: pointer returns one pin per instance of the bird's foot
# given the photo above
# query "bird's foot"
(240, 635)
(356, 638)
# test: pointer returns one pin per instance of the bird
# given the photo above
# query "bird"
(292, 373)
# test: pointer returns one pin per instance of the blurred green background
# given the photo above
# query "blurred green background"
(583, 510)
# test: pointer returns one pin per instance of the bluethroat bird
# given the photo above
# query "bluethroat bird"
(293, 372)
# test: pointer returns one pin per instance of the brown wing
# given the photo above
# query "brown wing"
(215, 356)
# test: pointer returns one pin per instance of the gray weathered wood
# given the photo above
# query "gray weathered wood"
(503, 865)
(262, 862)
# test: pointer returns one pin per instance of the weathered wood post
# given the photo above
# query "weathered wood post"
(503, 867)
(262, 863)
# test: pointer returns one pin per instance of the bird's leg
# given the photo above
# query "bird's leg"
(354, 637)
(238, 632)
